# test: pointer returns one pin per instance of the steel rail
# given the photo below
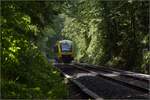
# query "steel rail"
(145, 90)
(81, 86)
(121, 72)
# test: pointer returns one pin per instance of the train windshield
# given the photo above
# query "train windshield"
(66, 47)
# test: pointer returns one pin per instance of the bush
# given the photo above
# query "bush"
(27, 74)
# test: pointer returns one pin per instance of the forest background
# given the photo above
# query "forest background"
(109, 33)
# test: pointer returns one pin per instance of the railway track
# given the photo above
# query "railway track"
(138, 76)
(104, 83)
(130, 80)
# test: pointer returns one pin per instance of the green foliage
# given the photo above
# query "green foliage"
(145, 65)
(104, 32)
(124, 39)
(108, 32)
(83, 24)
(25, 72)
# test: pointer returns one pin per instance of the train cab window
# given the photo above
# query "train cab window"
(66, 47)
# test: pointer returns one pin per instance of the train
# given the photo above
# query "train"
(64, 51)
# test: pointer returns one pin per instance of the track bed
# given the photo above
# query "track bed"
(90, 82)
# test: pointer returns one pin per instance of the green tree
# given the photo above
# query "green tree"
(25, 72)
(113, 33)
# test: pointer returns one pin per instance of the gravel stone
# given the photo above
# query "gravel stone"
(107, 89)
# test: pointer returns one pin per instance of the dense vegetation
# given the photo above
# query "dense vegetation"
(111, 33)
(25, 71)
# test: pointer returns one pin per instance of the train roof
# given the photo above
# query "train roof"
(66, 41)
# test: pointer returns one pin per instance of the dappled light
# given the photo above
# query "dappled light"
(38, 35)
(26, 73)
(84, 74)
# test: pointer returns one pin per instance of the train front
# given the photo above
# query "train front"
(66, 47)
(64, 51)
